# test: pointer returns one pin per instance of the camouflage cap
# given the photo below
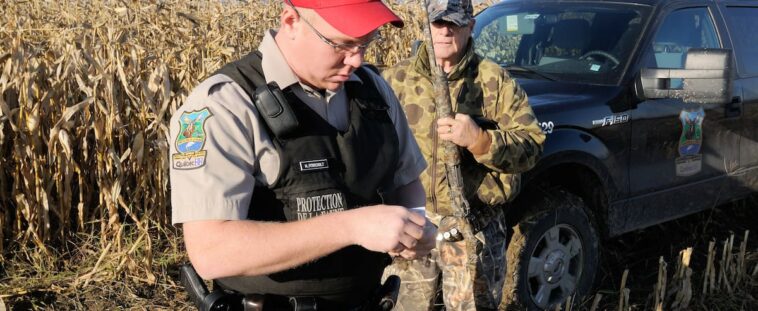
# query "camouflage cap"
(459, 12)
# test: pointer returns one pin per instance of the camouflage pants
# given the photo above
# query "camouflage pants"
(472, 271)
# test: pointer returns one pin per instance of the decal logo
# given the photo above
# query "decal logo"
(692, 131)
(611, 120)
(690, 161)
(314, 165)
(689, 165)
(191, 140)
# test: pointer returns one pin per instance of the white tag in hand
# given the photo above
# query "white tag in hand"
(421, 210)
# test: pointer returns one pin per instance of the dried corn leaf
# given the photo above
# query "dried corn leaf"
(138, 147)
(68, 113)
(65, 141)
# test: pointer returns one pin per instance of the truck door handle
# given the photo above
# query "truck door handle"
(734, 108)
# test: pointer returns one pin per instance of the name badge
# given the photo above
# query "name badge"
(314, 165)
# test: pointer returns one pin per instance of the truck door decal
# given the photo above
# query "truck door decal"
(689, 161)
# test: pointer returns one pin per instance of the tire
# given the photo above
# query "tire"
(558, 240)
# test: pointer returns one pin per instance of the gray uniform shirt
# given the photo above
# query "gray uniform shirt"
(219, 151)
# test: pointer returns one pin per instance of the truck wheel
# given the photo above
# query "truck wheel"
(552, 254)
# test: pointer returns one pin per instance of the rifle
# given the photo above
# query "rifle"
(452, 155)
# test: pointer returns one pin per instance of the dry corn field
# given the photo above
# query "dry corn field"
(86, 92)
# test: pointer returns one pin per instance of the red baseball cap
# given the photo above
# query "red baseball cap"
(355, 18)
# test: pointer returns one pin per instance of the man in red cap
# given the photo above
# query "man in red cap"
(293, 169)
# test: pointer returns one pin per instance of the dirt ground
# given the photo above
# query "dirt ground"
(638, 251)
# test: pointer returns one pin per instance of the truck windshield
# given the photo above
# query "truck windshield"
(573, 42)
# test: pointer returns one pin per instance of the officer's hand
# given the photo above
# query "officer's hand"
(425, 245)
(386, 228)
(462, 130)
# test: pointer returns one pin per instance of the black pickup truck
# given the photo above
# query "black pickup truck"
(651, 113)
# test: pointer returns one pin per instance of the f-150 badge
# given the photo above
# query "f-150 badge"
(611, 120)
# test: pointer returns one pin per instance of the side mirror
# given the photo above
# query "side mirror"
(706, 78)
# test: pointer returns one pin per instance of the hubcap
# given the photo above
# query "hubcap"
(555, 266)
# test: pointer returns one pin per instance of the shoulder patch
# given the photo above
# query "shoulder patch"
(191, 140)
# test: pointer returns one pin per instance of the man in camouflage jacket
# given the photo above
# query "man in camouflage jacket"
(499, 138)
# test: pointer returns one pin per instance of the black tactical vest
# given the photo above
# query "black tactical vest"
(324, 170)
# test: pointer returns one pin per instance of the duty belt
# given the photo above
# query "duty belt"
(224, 300)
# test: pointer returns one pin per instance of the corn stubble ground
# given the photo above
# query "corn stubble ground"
(86, 92)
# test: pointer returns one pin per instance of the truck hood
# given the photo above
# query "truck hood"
(548, 93)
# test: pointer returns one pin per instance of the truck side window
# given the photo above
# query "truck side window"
(744, 26)
(682, 30)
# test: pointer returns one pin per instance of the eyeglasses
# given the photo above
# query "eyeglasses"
(348, 48)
